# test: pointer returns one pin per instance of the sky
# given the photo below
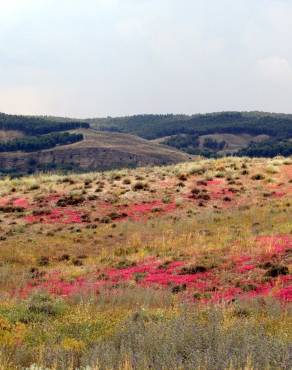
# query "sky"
(96, 58)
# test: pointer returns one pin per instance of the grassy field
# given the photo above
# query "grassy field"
(179, 267)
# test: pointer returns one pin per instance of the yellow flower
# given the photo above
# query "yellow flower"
(71, 344)
(11, 334)
(4, 325)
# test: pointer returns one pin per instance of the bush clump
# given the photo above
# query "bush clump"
(138, 186)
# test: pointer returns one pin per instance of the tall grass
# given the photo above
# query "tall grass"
(217, 338)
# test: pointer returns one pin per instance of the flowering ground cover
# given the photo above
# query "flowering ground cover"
(55, 216)
(87, 261)
(263, 274)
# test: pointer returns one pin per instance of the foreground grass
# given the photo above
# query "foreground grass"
(61, 335)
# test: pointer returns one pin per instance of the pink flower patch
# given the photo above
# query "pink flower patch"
(20, 202)
(215, 182)
(166, 278)
(241, 259)
(139, 211)
(261, 290)
(278, 194)
(285, 294)
(210, 286)
(278, 243)
(61, 216)
(15, 202)
(154, 274)
(245, 268)
(126, 274)
(221, 194)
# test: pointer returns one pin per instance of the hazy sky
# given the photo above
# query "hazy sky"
(88, 58)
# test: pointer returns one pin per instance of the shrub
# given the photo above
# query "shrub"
(125, 264)
(140, 186)
(71, 201)
(258, 176)
(191, 270)
(43, 304)
(182, 177)
(272, 170)
(277, 270)
(197, 170)
(178, 288)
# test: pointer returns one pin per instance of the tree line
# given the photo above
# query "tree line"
(35, 143)
(269, 148)
(37, 125)
(158, 126)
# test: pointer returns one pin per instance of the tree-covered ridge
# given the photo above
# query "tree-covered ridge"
(157, 126)
(269, 148)
(37, 125)
(190, 143)
(183, 142)
(212, 148)
(35, 143)
(184, 132)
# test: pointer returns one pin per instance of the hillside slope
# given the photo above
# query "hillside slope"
(98, 151)
(188, 133)
(158, 139)
(97, 266)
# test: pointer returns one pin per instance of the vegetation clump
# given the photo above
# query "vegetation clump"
(140, 186)
(70, 201)
(192, 270)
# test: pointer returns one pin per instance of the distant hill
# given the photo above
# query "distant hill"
(29, 144)
(268, 134)
(28, 134)
(97, 151)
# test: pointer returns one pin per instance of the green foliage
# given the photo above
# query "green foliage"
(156, 126)
(187, 143)
(270, 148)
(213, 144)
(36, 125)
(38, 308)
(42, 304)
(34, 143)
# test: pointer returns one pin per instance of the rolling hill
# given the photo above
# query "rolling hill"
(29, 144)
(96, 151)
(244, 133)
